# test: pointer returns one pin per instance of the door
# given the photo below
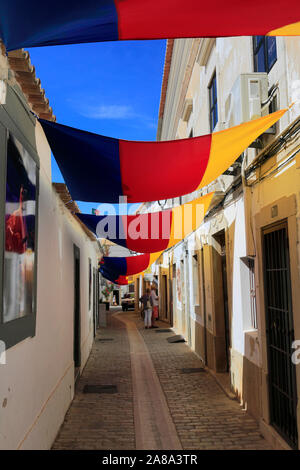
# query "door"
(97, 297)
(164, 296)
(172, 291)
(116, 294)
(221, 299)
(182, 280)
(226, 313)
(280, 332)
(204, 306)
(77, 335)
(94, 300)
(137, 294)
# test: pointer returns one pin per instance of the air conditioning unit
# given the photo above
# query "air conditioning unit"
(244, 102)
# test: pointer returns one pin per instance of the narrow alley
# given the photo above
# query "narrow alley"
(164, 408)
(149, 189)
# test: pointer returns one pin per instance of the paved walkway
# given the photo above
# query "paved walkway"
(154, 427)
(103, 421)
(156, 406)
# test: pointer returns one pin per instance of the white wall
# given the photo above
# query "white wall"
(37, 382)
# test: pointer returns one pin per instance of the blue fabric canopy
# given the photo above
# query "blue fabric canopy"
(103, 169)
(33, 23)
(114, 265)
(101, 224)
(109, 275)
(89, 162)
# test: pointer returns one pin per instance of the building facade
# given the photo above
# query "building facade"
(232, 286)
(48, 266)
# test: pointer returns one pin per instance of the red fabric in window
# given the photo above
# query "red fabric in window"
(15, 230)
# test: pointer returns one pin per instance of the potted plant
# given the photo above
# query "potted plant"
(106, 292)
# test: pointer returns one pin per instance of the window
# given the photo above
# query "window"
(213, 103)
(18, 209)
(265, 53)
(131, 289)
(20, 212)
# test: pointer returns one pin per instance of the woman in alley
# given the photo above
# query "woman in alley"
(154, 303)
(147, 307)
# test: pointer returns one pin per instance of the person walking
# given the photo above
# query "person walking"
(154, 303)
(146, 302)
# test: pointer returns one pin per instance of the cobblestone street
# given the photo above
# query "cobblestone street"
(188, 411)
(103, 421)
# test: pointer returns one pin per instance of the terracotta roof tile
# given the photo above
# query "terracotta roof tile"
(20, 63)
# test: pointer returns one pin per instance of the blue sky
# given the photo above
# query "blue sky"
(110, 88)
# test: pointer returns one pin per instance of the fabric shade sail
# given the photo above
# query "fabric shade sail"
(98, 168)
(117, 270)
(129, 265)
(126, 266)
(77, 21)
(119, 280)
(150, 232)
(184, 220)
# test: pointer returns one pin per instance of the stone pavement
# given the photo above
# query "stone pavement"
(204, 417)
(154, 426)
(102, 421)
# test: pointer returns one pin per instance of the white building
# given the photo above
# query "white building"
(49, 264)
(224, 287)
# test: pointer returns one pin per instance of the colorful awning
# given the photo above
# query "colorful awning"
(150, 232)
(101, 169)
(115, 229)
(120, 280)
(126, 266)
(184, 220)
(30, 23)
(117, 269)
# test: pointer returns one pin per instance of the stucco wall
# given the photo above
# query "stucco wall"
(37, 382)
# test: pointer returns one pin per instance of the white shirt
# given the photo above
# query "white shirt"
(154, 298)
